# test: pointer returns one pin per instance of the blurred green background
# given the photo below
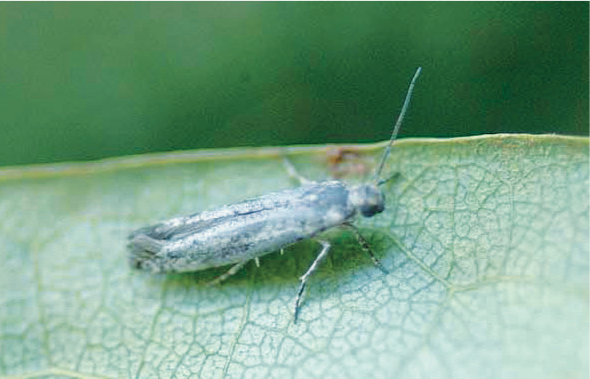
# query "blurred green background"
(82, 81)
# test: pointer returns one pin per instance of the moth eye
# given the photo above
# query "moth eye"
(370, 210)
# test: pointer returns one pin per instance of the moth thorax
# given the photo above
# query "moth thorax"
(368, 199)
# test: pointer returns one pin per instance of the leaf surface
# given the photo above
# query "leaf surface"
(485, 240)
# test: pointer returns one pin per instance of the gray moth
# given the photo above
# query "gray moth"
(237, 233)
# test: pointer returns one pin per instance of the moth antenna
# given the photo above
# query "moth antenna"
(398, 123)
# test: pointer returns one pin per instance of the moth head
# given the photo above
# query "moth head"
(368, 199)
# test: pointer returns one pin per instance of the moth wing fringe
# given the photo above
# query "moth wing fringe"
(142, 248)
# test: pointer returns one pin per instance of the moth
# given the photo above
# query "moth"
(237, 233)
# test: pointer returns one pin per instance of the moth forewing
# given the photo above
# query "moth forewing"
(237, 233)
(241, 231)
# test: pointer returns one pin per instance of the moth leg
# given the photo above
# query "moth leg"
(234, 269)
(365, 245)
(310, 270)
(292, 171)
(391, 177)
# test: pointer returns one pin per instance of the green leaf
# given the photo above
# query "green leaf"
(485, 240)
